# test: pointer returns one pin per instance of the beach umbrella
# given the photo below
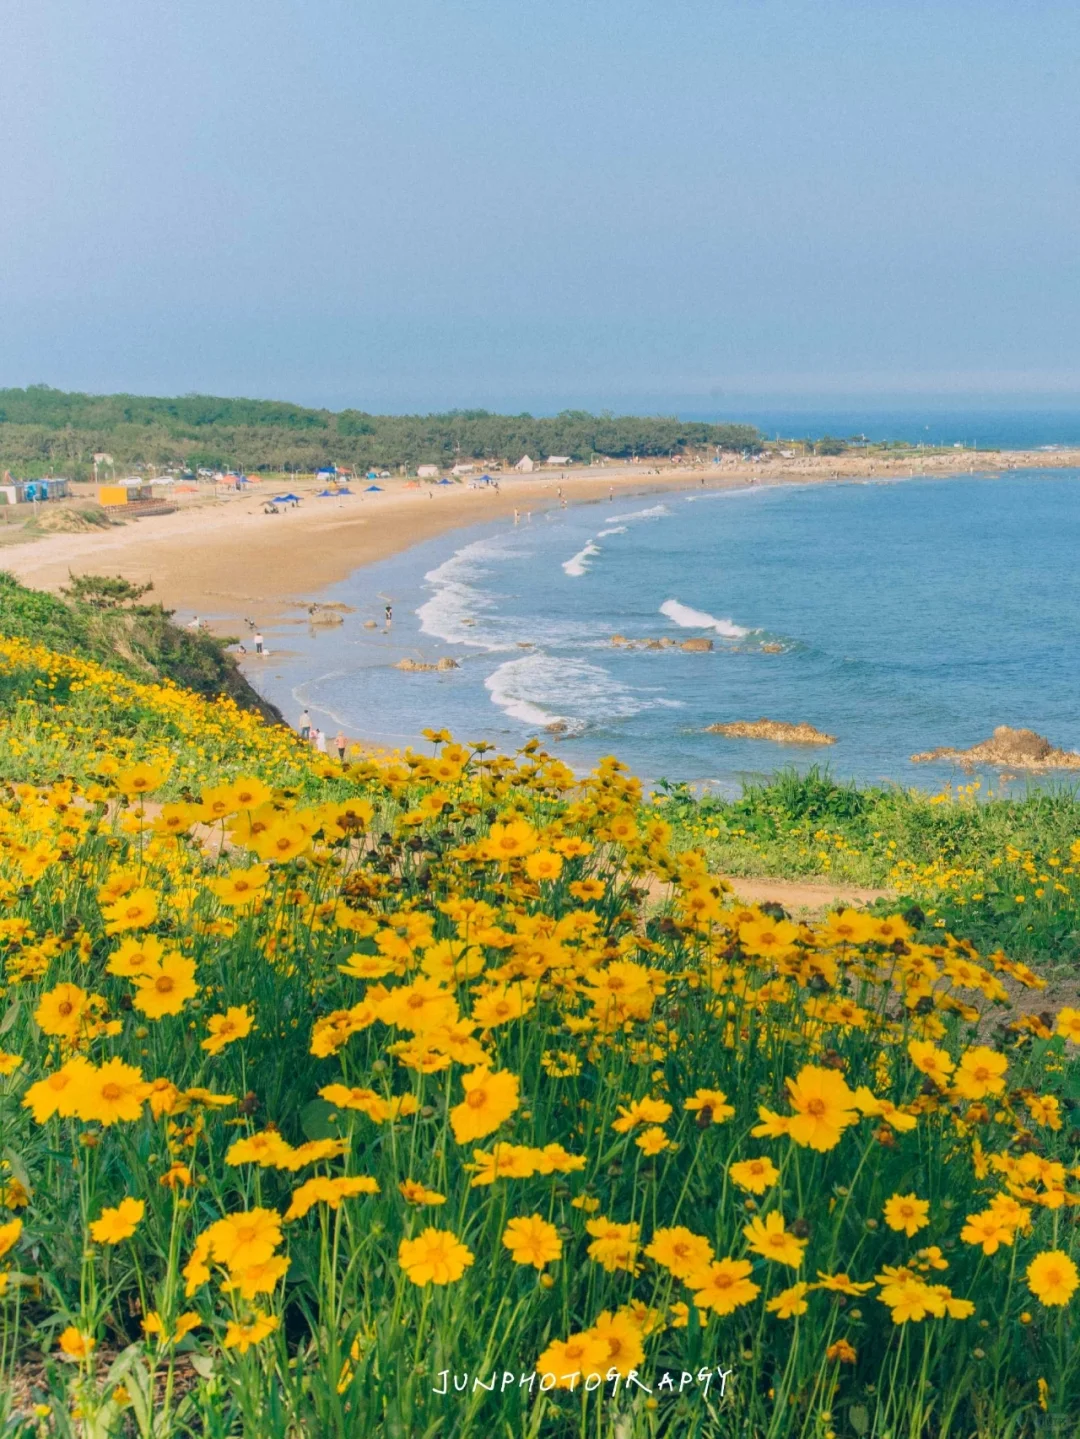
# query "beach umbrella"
(326, 494)
(289, 499)
(444, 482)
(373, 487)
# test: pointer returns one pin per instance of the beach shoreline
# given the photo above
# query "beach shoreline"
(228, 562)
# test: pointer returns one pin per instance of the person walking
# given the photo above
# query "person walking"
(319, 739)
(389, 615)
(258, 642)
(305, 725)
(339, 744)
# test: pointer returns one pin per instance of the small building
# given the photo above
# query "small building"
(427, 472)
(525, 466)
(562, 460)
(463, 469)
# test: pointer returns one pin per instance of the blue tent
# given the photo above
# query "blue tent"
(373, 487)
(289, 499)
(325, 470)
(444, 482)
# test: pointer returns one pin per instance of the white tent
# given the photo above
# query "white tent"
(525, 466)
(558, 460)
(427, 472)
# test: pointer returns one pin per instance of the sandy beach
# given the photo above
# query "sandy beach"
(226, 560)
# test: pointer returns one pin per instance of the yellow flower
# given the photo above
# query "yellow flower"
(140, 779)
(62, 1010)
(543, 864)
(724, 1286)
(1068, 1023)
(789, 1302)
(987, 1230)
(1052, 1277)
(136, 910)
(166, 988)
(622, 1335)
(57, 1092)
(581, 1355)
(257, 1279)
(680, 1250)
(136, 956)
(931, 1061)
(641, 1111)
(119, 1223)
(981, 1072)
(841, 1352)
(754, 1175)
(771, 1240)
(489, 1100)
(414, 1193)
(9, 1063)
(240, 1240)
(9, 1235)
(234, 1024)
(907, 1214)
(75, 1344)
(532, 1241)
(114, 1092)
(437, 1256)
(653, 1141)
(242, 1336)
(710, 1105)
(322, 1190)
(824, 1107)
(615, 1245)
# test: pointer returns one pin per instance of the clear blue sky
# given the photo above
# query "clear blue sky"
(673, 204)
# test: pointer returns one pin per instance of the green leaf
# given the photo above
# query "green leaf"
(859, 1418)
(320, 1120)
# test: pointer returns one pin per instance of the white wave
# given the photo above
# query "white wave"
(456, 598)
(615, 530)
(541, 689)
(689, 619)
(652, 514)
(578, 564)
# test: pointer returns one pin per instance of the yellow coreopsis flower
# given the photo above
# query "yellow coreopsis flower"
(225, 1028)
(680, 1250)
(166, 988)
(532, 1240)
(490, 1099)
(437, 1256)
(1052, 1277)
(724, 1286)
(824, 1107)
(771, 1240)
(907, 1214)
(118, 1224)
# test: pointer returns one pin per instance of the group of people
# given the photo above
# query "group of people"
(317, 737)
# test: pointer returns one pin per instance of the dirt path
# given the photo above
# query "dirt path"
(803, 896)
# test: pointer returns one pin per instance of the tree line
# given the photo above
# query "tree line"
(43, 430)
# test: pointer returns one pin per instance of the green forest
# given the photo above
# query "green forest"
(47, 431)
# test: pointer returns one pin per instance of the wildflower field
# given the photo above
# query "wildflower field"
(450, 1094)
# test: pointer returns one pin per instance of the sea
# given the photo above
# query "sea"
(896, 615)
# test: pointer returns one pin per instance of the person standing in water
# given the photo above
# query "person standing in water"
(389, 614)
(258, 642)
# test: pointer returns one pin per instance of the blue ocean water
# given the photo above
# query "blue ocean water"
(897, 616)
(984, 427)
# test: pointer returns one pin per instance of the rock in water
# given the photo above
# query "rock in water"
(446, 663)
(697, 646)
(1006, 748)
(776, 730)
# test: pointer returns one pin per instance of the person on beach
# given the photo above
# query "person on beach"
(339, 745)
(320, 741)
(516, 517)
(389, 615)
(194, 625)
(258, 642)
(305, 725)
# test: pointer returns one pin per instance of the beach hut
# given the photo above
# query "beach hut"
(427, 472)
(525, 465)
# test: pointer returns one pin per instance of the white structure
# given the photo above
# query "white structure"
(558, 460)
(463, 469)
(427, 472)
(525, 466)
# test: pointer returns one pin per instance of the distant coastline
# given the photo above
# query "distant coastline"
(226, 561)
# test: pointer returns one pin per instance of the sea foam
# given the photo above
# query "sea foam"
(655, 513)
(544, 689)
(578, 564)
(690, 619)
